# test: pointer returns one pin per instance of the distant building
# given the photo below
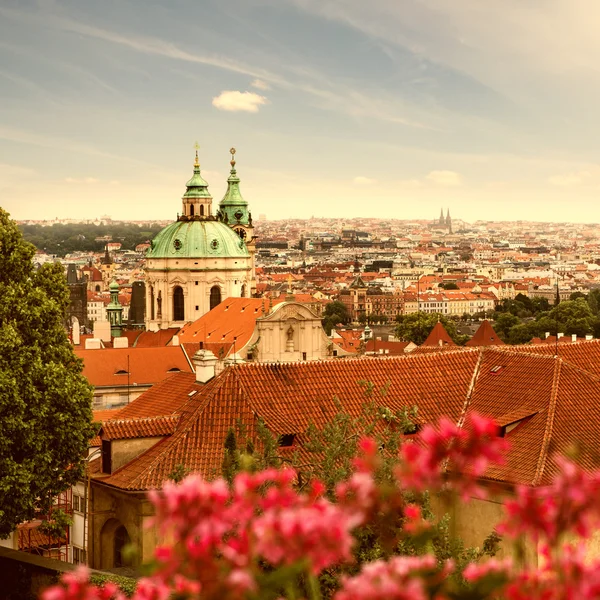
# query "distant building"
(77, 297)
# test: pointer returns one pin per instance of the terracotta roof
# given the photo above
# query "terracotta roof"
(553, 403)
(275, 393)
(232, 318)
(164, 398)
(107, 367)
(584, 355)
(155, 339)
(438, 337)
(120, 429)
(485, 336)
(105, 414)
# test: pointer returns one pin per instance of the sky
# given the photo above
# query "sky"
(387, 108)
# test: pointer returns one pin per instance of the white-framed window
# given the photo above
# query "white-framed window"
(78, 556)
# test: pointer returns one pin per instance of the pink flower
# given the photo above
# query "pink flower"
(400, 578)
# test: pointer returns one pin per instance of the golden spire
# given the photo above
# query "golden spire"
(232, 152)
(196, 162)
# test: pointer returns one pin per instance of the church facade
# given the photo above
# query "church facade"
(203, 257)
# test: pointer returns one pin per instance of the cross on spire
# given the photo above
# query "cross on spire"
(196, 162)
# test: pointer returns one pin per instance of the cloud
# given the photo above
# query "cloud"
(360, 180)
(569, 179)
(235, 101)
(329, 95)
(447, 178)
(81, 180)
(260, 84)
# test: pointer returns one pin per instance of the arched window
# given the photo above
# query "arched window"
(191, 210)
(121, 540)
(215, 296)
(98, 289)
(202, 210)
(243, 294)
(178, 308)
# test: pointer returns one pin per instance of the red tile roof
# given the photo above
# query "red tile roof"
(120, 429)
(107, 367)
(155, 339)
(438, 337)
(232, 318)
(553, 403)
(485, 336)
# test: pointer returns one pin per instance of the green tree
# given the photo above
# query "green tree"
(593, 300)
(415, 327)
(573, 317)
(503, 324)
(539, 305)
(45, 402)
(450, 285)
(334, 313)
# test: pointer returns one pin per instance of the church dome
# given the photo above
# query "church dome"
(198, 239)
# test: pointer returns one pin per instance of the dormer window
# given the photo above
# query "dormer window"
(121, 372)
(510, 421)
(286, 440)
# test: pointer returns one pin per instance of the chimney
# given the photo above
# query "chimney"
(547, 334)
(120, 342)
(574, 337)
(205, 362)
(589, 337)
(559, 335)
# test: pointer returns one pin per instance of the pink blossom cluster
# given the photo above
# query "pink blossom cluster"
(75, 586)
(449, 454)
(222, 540)
(568, 505)
(400, 578)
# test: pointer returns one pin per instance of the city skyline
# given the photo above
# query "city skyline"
(336, 108)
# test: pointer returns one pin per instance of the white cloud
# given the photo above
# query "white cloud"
(447, 178)
(82, 180)
(364, 181)
(569, 179)
(260, 84)
(235, 101)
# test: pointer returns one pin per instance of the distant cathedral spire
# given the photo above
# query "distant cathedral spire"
(442, 221)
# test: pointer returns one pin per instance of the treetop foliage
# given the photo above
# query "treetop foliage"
(45, 402)
(62, 239)
(416, 327)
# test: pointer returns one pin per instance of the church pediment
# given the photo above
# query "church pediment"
(290, 311)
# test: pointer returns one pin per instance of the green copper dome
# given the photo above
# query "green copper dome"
(197, 187)
(197, 239)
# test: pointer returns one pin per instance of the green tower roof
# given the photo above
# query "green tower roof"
(233, 204)
(197, 239)
(233, 196)
(197, 187)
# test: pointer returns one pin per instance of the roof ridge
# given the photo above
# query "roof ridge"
(151, 418)
(549, 423)
(345, 359)
(472, 384)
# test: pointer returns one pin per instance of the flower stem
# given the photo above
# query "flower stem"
(314, 591)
